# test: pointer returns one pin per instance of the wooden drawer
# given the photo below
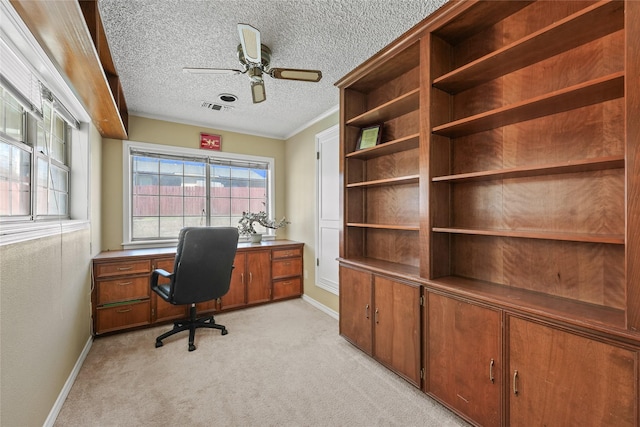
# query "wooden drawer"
(286, 253)
(122, 316)
(286, 268)
(122, 268)
(287, 288)
(122, 289)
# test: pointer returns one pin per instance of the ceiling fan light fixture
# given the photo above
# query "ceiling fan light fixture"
(250, 41)
(257, 91)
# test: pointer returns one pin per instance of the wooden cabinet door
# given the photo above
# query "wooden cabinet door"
(237, 295)
(258, 276)
(356, 307)
(562, 379)
(464, 357)
(396, 319)
(162, 310)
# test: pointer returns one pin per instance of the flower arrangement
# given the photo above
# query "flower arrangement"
(246, 228)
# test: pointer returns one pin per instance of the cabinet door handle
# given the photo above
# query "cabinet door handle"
(250, 277)
(515, 382)
(124, 268)
(376, 315)
(366, 311)
(242, 278)
(124, 283)
(126, 310)
(491, 377)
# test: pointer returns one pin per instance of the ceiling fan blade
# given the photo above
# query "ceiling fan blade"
(250, 41)
(295, 74)
(210, 70)
(257, 91)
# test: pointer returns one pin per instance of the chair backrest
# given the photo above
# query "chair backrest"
(203, 264)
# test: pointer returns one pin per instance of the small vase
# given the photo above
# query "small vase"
(256, 238)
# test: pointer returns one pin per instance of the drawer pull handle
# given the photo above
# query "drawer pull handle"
(515, 382)
(124, 268)
(491, 377)
(287, 282)
(124, 310)
(124, 283)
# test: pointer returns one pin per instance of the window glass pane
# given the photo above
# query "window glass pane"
(170, 185)
(171, 166)
(42, 173)
(195, 206)
(170, 226)
(146, 206)
(145, 184)
(194, 168)
(59, 178)
(239, 173)
(145, 228)
(13, 122)
(145, 164)
(170, 206)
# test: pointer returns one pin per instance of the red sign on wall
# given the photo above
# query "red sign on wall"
(210, 142)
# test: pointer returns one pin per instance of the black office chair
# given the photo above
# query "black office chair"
(201, 272)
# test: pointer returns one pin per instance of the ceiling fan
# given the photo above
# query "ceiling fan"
(255, 59)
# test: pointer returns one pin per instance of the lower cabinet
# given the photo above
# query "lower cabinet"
(382, 317)
(558, 378)
(464, 357)
(122, 298)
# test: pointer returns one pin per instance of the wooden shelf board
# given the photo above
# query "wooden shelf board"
(585, 165)
(602, 18)
(401, 144)
(613, 239)
(581, 95)
(384, 226)
(401, 270)
(531, 302)
(410, 179)
(395, 108)
(388, 70)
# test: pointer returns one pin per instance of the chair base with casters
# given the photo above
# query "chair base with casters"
(191, 325)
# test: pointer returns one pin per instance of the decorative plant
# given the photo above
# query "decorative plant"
(245, 225)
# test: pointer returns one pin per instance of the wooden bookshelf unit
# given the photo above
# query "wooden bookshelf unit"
(506, 187)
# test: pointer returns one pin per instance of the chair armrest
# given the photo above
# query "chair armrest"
(154, 277)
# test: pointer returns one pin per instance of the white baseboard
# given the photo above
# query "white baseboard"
(321, 307)
(57, 406)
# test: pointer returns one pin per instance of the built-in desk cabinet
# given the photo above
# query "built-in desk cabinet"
(122, 298)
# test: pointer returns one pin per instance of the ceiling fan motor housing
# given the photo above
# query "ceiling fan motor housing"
(265, 54)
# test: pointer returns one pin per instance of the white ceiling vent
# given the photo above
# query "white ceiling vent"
(216, 107)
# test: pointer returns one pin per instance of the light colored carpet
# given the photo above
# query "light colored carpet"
(281, 364)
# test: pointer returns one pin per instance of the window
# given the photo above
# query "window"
(169, 188)
(34, 167)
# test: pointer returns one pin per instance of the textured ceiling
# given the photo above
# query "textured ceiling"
(151, 40)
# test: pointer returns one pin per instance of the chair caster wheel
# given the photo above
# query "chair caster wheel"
(158, 344)
(192, 347)
(224, 332)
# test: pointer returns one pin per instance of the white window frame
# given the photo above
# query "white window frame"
(20, 40)
(170, 150)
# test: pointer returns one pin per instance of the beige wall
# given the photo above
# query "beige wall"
(45, 292)
(301, 202)
(161, 132)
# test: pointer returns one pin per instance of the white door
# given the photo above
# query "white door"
(328, 214)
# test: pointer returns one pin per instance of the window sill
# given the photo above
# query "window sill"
(22, 232)
(158, 244)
